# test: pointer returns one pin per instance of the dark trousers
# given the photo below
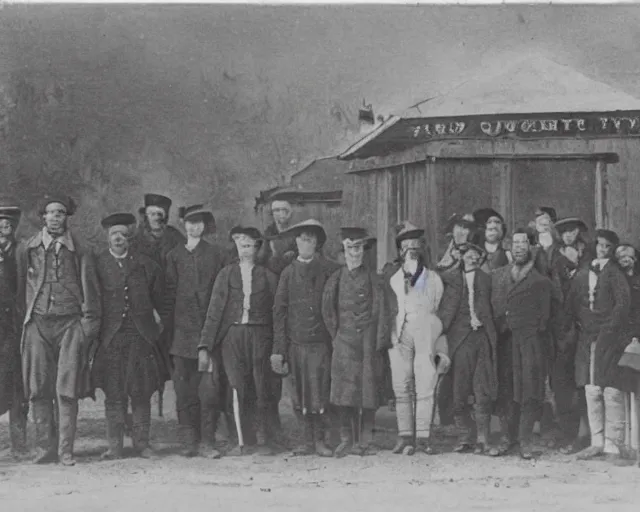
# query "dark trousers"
(198, 400)
(356, 425)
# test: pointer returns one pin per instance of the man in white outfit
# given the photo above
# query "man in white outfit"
(418, 352)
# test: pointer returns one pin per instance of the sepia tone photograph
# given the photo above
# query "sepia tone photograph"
(319, 257)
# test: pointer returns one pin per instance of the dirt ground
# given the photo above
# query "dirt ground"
(381, 482)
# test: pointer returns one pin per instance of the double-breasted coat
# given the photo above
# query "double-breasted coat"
(131, 290)
(603, 325)
(73, 380)
(352, 309)
(522, 310)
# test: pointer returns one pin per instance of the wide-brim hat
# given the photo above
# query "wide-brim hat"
(407, 231)
(631, 356)
(118, 219)
(482, 216)
(608, 235)
(289, 194)
(249, 231)
(308, 226)
(547, 210)
(357, 233)
(458, 219)
(569, 224)
(197, 211)
(64, 200)
(157, 200)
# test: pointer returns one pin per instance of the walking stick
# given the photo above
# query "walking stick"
(433, 408)
(236, 415)
(160, 400)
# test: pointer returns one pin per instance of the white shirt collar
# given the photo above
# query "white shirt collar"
(64, 239)
(117, 256)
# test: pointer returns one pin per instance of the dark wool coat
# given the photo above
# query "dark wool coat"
(457, 327)
(523, 308)
(605, 325)
(10, 366)
(82, 281)
(355, 321)
(189, 283)
(138, 285)
(299, 332)
(225, 307)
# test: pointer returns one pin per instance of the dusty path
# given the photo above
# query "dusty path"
(382, 482)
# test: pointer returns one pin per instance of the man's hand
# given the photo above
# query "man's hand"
(203, 360)
(158, 320)
(571, 254)
(277, 364)
(443, 364)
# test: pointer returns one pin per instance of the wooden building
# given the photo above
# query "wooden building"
(314, 192)
(538, 134)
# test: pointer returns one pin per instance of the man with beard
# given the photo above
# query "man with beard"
(239, 323)
(598, 304)
(301, 340)
(155, 238)
(11, 389)
(459, 226)
(351, 309)
(494, 227)
(468, 324)
(417, 352)
(521, 299)
(59, 296)
(190, 273)
(128, 366)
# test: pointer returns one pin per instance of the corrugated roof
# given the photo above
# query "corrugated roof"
(531, 85)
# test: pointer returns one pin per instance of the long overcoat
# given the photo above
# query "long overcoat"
(357, 363)
(604, 325)
(74, 377)
(457, 328)
(522, 309)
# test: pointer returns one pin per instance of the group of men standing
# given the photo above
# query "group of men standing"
(227, 325)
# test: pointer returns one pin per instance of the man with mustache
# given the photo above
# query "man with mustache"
(11, 389)
(598, 305)
(494, 229)
(521, 299)
(418, 352)
(128, 365)
(352, 312)
(59, 298)
(467, 319)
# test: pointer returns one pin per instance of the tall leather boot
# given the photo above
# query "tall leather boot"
(18, 428)
(115, 413)
(261, 431)
(319, 426)
(45, 429)
(614, 422)
(67, 421)
(346, 432)
(141, 415)
(529, 414)
(306, 446)
(187, 432)
(209, 425)
(365, 445)
(463, 425)
(595, 411)
(483, 429)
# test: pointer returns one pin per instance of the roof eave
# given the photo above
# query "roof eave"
(353, 149)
